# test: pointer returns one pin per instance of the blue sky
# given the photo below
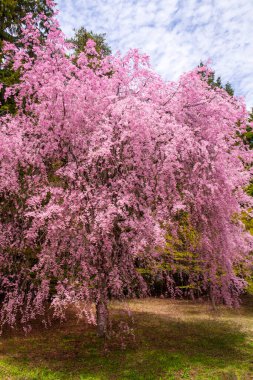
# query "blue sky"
(177, 34)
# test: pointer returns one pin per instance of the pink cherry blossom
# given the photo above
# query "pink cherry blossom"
(98, 159)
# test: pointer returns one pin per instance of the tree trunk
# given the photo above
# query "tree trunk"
(213, 302)
(102, 318)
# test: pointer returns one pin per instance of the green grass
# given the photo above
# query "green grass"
(173, 340)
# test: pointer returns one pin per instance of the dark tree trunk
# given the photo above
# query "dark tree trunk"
(102, 317)
(213, 302)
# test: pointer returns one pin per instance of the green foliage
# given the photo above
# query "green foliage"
(246, 217)
(181, 248)
(8, 77)
(11, 14)
(249, 189)
(214, 83)
(247, 220)
(181, 253)
(229, 89)
(248, 135)
(243, 270)
(82, 36)
(179, 260)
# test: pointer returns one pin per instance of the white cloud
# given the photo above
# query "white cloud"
(177, 34)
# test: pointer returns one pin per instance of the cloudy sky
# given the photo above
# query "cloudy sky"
(177, 34)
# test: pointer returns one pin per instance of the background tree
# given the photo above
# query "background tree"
(12, 13)
(248, 135)
(213, 82)
(81, 38)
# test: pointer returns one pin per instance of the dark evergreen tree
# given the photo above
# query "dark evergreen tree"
(11, 14)
(213, 82)
(82, 36)
(229, 89)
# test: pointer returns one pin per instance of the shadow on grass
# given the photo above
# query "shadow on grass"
(247, 304)
(163, 349)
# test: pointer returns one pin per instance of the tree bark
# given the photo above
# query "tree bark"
(102, 317)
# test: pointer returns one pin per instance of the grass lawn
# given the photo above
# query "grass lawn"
(173, 340)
